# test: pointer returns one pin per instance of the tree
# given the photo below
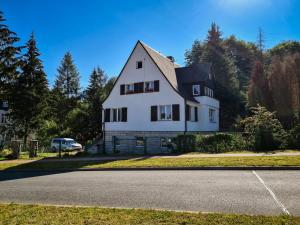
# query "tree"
(194, 55)
(109, 85)
(285, 48)
(29, 96)
(266, 132)
(9, 58)
(284, 80)
(67, 81)
(259, 92)
(95, 96)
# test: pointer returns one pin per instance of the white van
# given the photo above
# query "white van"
(67, 144)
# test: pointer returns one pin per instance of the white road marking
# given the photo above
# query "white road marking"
(272, 194)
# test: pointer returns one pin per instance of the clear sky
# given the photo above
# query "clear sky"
(103, 33)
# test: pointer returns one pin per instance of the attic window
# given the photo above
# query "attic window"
(196, 89)
(139, 64)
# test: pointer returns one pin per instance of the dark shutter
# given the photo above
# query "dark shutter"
(124, 114)
(139, 87)
(122, 89)
(196, 113)
(175, 112)
(156, 85)
(154, 113)
(187, 112)
(107, 115)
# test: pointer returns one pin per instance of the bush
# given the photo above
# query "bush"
(185, 143)
(220, 142)
(266, 132)
(6, 153)
(294, 137)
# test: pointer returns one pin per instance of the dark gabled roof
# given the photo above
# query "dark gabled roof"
(193, 73)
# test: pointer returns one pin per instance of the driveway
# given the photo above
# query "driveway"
(250, 192)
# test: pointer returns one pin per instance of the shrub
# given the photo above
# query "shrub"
(185, 143)
(294, 137)
(6, 153)
(266, 132)
(220, 142)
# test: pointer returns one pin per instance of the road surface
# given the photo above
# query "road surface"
(250, 192)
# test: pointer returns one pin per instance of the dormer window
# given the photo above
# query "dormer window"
(196, 90)
(139, 64)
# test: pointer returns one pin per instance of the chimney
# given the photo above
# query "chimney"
(171, 58)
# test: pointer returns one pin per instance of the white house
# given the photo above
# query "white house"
(154, 99)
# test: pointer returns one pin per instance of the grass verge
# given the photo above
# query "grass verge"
(42, 215)
(146, 162)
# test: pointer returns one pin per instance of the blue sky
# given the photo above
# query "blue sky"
(103, 33)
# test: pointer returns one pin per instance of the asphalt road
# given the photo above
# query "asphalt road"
(250, 192)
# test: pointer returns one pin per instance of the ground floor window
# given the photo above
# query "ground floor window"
(165, 142)
(165, 112)
(212, 115)
(116, 141)
(140, 141)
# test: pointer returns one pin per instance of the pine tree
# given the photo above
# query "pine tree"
(29, 96)
(95, 96)
(9, 58)
(67, 81)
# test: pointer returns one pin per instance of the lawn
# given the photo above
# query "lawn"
(146, 162)
(42, 215)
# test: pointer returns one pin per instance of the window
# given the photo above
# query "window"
(149, 86)
(209, 76)
(140, 142)
(129, 88)
(165, 142)
(192, 113)
(2, 118)
(5, 104)
(117, 141)
(139, 64)
(116, 115)
(208, 92)
(165, 112)
(212, 115)
(196, 89)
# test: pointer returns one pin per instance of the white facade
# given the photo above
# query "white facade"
(139, 105)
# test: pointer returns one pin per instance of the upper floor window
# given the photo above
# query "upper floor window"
(208, 92)
(196, 89)
(129, 88)
(212, 115)
(165, 112)
(139, 64)
(149, 86)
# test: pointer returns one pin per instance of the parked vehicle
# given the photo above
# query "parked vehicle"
(67, 144)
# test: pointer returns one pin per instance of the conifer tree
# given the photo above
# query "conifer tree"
(9, 57)
(67, 81)
(29, 97)
(95, 96)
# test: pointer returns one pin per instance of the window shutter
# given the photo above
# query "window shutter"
(154, 113)
(122, 89)
(196, 113)
(175, 112)
(187, 112)
(139, 87)
(156, 85)
(107, 115)
(124, 114)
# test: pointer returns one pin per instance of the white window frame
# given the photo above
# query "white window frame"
(128, 89)
(197, 86)
(164, 107)
(212, 115)
(151, 89)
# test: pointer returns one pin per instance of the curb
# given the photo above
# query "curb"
(159, 169)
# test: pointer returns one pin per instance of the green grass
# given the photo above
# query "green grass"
(12, 214)
(159, 162)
